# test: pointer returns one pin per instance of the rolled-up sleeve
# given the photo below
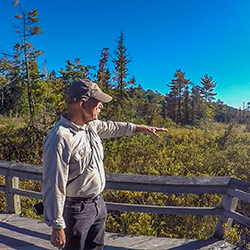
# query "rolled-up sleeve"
(55, 175)
(114, 129)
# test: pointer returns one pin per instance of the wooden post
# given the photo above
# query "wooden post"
(228, 203)
(12, 200)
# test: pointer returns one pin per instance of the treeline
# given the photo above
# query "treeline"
(27, 91)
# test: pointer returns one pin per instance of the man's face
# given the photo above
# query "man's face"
(92, 109)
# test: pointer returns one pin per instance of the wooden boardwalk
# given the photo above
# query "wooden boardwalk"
(22, 233)
(18, 232)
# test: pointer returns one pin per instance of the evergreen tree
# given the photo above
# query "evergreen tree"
(12, 88)
(52, 75)
(187, 103)
(164, 108)
(196, 101)
(175, 97)
(49, 101)
(25, 51)
(103, 73)
(220, 111)
(74, 71)
(121, 61)
(207, 88)
(171, 105)
(154, 108)
(138, 102)
(5, 66)
(103, 80)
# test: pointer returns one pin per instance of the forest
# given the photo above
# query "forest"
(205, 136)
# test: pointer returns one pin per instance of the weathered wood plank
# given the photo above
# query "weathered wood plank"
(12, 200)
(167, 184)
(164, 209)
(28, 193)
(24, 171)
(18, 232)
(164, 184)
(142, 242)
(178, 189)
(18, 166)
(21, 233)
(126, 178)
(126, 242)
(239, 184)
(239, 194)
(238, 217)
(26, 175)
(168, 180)
(5, 164)
(228, 203)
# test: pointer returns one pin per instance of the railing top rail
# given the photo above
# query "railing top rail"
(239, 184)
(145, 180)
(133, 179)
(21, 167)
(168, 180)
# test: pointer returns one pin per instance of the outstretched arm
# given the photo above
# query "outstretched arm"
(115, 129)
(149, 130)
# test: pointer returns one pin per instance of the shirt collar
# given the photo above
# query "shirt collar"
(72, 125)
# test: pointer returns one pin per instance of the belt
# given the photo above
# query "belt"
(82, 199)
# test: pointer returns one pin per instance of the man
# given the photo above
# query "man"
(73, 173)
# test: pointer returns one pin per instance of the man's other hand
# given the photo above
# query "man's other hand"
(58, 238)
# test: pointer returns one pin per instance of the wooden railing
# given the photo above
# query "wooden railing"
(231, 189)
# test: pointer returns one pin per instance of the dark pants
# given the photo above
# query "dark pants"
(85, 224)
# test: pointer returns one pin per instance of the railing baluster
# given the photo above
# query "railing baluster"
(12, 200)
(228, 203)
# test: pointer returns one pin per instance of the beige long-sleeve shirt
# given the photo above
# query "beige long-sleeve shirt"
(73, 163)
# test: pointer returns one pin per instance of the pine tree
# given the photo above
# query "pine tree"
(121, 61)
(154, 108)
(12, 89)
(207, 88)
(175, 97)
(5, 80)
(74, 70)
(25, 51)
(104, 82)
(186, 104)
(196, 99)
(220, 111)
(139, 100)
(52, 75)
(103, 73)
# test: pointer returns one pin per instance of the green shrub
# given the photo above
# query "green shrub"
(209, 150)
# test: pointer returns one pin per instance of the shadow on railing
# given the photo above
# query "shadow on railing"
(230, 188)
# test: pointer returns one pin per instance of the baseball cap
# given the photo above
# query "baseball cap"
(84, 88)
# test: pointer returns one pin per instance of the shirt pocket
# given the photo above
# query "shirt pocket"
(81, 158)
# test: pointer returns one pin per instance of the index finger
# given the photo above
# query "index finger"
(161, 129)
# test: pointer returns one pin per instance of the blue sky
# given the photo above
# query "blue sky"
(197, 36)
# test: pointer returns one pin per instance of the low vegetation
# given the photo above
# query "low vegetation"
(213, 149)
